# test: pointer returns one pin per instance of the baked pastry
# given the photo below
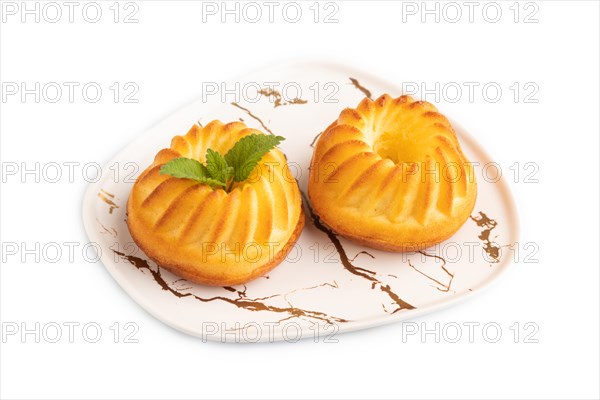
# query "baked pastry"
(390, 174)
(206, 234)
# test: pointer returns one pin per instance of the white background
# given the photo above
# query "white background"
(168, 54)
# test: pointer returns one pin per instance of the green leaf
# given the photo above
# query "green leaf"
(247, 152)
(190, 169)
(223, 171)
(217, 166)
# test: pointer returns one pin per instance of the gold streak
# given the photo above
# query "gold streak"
(253, 116)
(242, 301)
(279, 99)
(491, 248)
(315, 139)
(365, 91)
(107, 198)
(444, 287)
(105, 230)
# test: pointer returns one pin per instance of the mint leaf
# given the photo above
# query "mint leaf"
(247, 152)
(217, 166)
(190, 169)
(224, 171)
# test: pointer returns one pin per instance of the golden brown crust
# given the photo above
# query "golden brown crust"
(211, 236)
(390, 174)
(197, 276)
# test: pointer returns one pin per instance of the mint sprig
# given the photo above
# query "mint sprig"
(223, 171)
(247, 152)
(217, 166)
(191, 169)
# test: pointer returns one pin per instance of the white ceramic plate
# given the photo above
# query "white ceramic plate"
(327, 284)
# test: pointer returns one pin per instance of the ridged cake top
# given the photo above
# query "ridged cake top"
(182, 221)
(395, 159)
